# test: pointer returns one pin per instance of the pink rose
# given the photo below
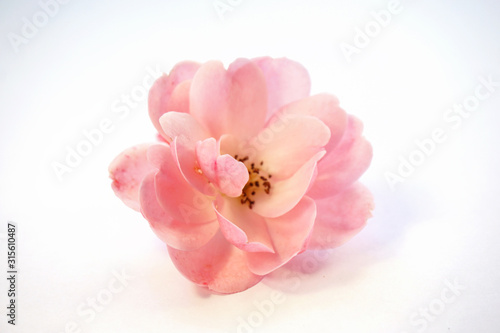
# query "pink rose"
(250, 171)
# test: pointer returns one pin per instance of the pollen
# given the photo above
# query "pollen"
(258, 181)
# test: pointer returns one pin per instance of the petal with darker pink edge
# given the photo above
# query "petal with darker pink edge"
(218, 266)
(127, 171)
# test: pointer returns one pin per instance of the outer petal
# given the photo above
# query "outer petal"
(286, 81)
(341, 217)
(127, 172)
(181, 201)
(218, 265)
(229, 102)
(323, 106)
(345, 164)
(288, 142)
(179, 235)
(242, 227)
(162, 97)
(289, 233)
(285, 194)
(182, 124)
(179, 99)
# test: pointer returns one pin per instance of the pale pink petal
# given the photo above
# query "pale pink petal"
(184, 153)
(218, 266)
(323, 106)
(290, 233)
(127, 171)
(181, 201)
(229, 102)
(182, 124)
(226, 173)
(341, 217)
(206, 154)
(288, 142)
(345, 164)
(285, 194)
(287, 81)
(231, 145)
(179, 235)
(241, 226)
(179, 99)
(160, 95)
(232, 175)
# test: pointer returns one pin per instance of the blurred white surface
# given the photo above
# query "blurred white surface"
(428, 260)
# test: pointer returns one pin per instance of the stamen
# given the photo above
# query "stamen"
(255, 179)
(198, 170)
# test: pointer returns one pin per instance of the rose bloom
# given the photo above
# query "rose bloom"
(250, 170)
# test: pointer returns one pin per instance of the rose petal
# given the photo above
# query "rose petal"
(228, 174)
(184, 153)
(285, 194)
(179, 235)
(290, 233)
(176, 124)
(232, 175)
(345, 164)
(288, 142)
(341, 217)
(162, 97)
(219, 266)
(326, 108)
(179, 99)
(206, 154)
(174, 194)
(229, 102)
(127, 171)
(241, 226)
(286, 81)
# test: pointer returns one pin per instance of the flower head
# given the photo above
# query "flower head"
(249, 172)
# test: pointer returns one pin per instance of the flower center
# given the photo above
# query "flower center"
(258, 180)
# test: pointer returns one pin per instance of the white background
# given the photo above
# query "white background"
(441, 224)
